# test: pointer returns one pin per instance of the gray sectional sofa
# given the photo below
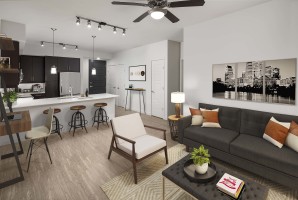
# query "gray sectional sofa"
(240, 142)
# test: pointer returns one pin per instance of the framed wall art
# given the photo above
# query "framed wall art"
(271, 81)
(137, 73)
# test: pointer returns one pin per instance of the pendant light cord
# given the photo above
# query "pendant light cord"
(93, 46)
(53, 29)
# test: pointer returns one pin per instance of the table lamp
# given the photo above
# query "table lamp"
(177, 98)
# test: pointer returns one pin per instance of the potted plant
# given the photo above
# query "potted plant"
(201, 159)
(11, 95)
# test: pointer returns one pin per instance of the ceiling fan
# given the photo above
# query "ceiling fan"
(158, 10)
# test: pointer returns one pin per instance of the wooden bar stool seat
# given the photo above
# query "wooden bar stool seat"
(57, 127)
(100, 115)
(78, 107)
(78, 118)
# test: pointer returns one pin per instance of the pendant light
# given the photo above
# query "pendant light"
(53, 68)
(93, 71)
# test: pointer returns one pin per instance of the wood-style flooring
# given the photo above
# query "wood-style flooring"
(80, 165)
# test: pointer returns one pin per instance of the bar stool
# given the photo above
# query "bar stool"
(57, 127)
(77, 119)
(100, 115)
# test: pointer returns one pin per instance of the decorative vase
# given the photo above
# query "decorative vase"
(202, 169)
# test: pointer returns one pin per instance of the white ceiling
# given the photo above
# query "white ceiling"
(40, 15)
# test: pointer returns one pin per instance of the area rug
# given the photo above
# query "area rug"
(149, 185)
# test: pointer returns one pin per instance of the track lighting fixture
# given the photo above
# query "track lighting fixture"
(64, 46)
(89, 24)
(100, 24)
(78, 22)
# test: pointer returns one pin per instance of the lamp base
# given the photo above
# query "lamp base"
(177, 110)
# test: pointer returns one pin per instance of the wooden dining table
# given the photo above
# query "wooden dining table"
(18, 125)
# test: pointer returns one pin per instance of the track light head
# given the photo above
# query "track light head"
(42, 43)
(64, 47)
(114, 30)
(99, 27)
(77, 48)
(78, 22)
(89, 24)
(124, 32)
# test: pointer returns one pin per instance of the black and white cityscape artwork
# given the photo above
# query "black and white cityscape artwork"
(272, 81)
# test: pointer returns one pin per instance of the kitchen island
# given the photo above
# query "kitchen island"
(37, 106)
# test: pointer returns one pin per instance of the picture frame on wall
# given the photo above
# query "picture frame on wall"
(137, 73)
(4, 62)
(268, 81)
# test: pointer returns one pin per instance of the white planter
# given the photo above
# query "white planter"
(202, 169)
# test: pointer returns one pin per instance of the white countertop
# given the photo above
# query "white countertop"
(30, 102)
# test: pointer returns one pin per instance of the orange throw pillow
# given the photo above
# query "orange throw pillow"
(194, 111)
(210, 118)
(276, 132)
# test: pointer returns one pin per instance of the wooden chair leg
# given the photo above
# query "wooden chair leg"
(134, 163)
(111, 148)
(45, 142)
(166, 155)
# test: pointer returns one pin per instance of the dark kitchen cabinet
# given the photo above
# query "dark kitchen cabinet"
(51, 80)
(68, 64)
(12, 80)
(97, 83)
(33, 69)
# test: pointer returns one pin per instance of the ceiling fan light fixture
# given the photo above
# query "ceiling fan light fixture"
(157, 13)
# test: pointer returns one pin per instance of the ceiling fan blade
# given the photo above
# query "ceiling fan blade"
(189, 3)
(171, 17)
(129, 3)
(141, 17)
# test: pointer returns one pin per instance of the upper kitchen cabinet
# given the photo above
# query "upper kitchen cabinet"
(68, 64)
(33, 69)
(12, 80)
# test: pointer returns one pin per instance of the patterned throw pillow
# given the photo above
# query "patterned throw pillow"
(197, 118)
(210, 118)
(276, 132)
(292, 139)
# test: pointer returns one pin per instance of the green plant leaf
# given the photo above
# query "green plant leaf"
(200, 155)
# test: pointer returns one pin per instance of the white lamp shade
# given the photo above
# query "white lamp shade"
(93, 72)
(53, 70)
(177, 97)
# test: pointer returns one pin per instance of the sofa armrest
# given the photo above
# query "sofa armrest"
(183, 123)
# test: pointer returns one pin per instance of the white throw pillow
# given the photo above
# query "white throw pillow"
(197, 120)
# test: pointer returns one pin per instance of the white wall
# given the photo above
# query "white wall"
(264, 32)
(141, 56)
(14, 30)
(34, 48)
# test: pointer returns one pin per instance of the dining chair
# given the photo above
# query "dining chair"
(37, 134)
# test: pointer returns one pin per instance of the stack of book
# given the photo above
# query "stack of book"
(230, 185)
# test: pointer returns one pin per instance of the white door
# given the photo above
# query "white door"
(158, 88)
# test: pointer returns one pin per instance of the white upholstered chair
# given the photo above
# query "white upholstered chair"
(40, 133)
(131, 140)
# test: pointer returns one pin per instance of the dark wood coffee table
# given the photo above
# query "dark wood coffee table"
(207, 191)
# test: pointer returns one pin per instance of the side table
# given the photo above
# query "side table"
(173, 123)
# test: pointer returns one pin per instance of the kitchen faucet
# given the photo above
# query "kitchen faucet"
(70, 90)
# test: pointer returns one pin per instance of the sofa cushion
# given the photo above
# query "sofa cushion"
(218, 138)
(229, 118)
(144, 145)
(264, 153)
(254, 122)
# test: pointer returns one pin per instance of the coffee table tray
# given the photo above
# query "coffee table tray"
(192, 175)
